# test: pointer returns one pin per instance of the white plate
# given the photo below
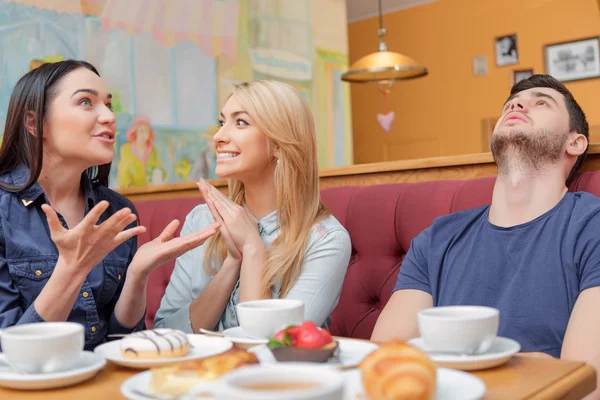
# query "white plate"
(501, 351)
(451, 385)
(136, 388)
(86, 367)
(238, 336)
(203, 346)
(350, 352)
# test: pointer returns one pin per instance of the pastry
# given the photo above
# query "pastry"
(397, 371)
(155, 343)
(179, 378)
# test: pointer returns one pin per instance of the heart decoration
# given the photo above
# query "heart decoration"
(386, 120)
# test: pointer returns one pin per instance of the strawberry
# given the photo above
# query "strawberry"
(326, 335)
(293, 332)
(280, 335)
(309, 336)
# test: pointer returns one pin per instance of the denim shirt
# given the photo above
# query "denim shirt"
(28, 257)
(319, 285)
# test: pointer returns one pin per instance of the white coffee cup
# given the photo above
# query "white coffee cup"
(290, 382)
(42, 347)
(459, 329)
(264, 318)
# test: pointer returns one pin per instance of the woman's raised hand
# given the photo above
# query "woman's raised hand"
(85, 245)
(165, 247)
(241, 226)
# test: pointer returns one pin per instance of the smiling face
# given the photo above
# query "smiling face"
(242, 149)
(80, 126)
(533, 128)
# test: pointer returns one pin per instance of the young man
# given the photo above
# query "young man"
(534, 253)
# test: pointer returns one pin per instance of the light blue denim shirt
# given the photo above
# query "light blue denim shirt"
(319, 285)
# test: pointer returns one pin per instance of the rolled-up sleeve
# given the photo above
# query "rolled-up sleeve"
(324, 267)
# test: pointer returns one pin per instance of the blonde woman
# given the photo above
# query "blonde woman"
(277, 240)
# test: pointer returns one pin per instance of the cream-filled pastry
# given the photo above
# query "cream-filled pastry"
(155, 343)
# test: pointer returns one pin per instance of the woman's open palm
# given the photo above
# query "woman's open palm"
(165, 247)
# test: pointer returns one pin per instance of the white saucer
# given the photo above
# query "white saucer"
(350, 352)
(500, 352)
(203, 346)
(238, 336)
(451, 385)
(86, 367)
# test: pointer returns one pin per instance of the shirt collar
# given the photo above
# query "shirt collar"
(267, 224)
(20, 176)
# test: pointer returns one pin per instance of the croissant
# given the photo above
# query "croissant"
(398, 371)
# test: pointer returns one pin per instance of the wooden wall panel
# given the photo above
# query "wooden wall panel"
(468, 166)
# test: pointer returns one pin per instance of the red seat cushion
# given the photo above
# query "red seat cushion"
(382, 220)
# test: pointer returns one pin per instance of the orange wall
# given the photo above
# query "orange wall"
(441, 114)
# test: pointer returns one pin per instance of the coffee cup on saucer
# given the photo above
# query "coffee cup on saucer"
(459, 329)
(264, 318)
(290, 382)
(42, 347)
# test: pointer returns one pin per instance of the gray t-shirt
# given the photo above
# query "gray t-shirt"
(319, 285)
(533, 272)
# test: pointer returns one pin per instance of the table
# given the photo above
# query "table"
(521, 378)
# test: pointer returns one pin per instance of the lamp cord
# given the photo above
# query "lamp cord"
(380, 16)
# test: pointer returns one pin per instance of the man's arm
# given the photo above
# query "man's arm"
(582, 339)
(398, 320)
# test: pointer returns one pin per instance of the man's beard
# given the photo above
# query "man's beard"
(515, 150)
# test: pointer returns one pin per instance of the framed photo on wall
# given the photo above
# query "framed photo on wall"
(520, 74)
(506, 50)
(573, 60)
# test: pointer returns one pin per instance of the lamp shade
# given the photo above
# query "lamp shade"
(383, 66)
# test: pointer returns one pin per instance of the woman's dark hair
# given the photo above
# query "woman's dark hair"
(33, 93)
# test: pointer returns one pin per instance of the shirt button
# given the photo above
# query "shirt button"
(119, 277)
(38, 272)
(85, 294)
(93, 329)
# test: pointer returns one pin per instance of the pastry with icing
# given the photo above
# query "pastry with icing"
(155, 343)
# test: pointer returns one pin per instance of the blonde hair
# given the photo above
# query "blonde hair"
(285, 118)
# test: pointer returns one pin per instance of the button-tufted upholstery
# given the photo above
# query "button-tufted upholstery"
(382, 220)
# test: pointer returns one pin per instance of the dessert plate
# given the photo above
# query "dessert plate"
(85, 368)
(201, 346)
(451, 385)
(501, 351)
(136, 388)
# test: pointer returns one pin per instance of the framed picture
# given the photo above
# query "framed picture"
(520, 74)
(573, 60)
(506, 50)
